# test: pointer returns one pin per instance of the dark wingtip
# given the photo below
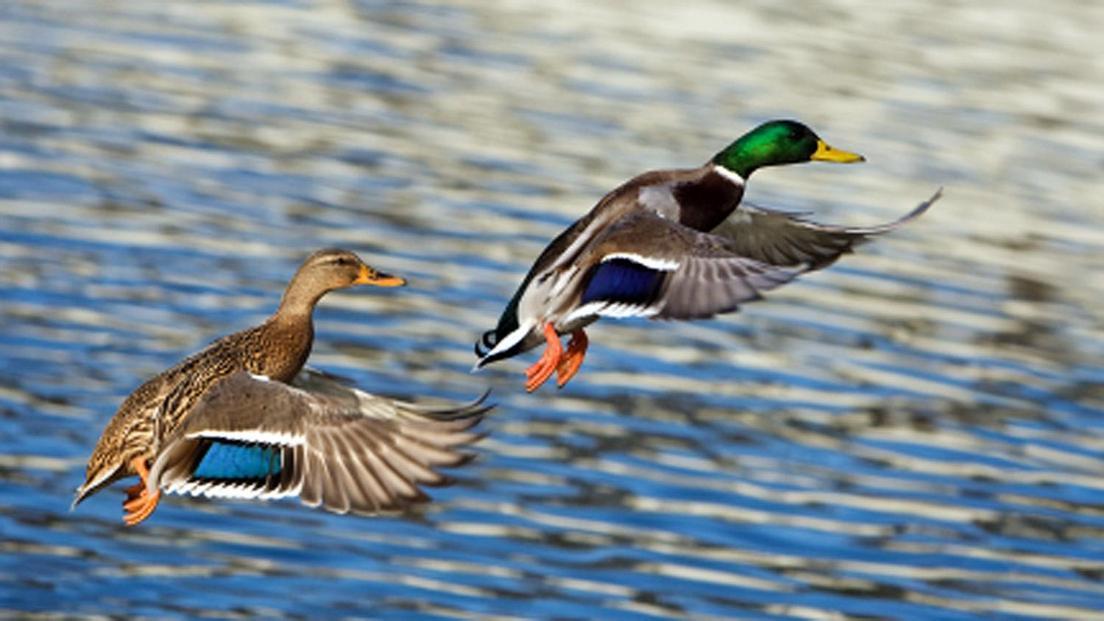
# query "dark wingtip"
(920, 209)
(482, 398)
(455, 417)
(915, 213)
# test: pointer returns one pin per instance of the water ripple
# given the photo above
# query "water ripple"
(914, 433)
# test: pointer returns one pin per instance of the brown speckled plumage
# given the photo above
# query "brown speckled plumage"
(152, 418)
(277, 349)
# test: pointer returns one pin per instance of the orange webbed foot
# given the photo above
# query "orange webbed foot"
(572, 359)
(140, 503)
(141, 507)
(544, 368)
(134, 491)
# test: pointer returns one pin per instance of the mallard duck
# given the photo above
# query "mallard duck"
(672, 244)
(242, 418)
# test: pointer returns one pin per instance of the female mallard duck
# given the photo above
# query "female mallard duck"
(663, 245)
(243, 419)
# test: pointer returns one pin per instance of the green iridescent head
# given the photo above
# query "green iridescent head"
(779, 142)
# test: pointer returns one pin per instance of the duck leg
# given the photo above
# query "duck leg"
(572, 358)
(544, 368)
(140, 502)
(135, 490)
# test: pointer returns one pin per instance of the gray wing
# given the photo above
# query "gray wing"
(650, 266)
(780, 238)
(319, 439)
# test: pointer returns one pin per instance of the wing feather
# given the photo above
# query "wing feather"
(338, 447)
(788, 239)
(693, 274)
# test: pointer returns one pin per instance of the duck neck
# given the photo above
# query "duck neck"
(740, 158)
(288, 339)
(291, 331)
(299, 300)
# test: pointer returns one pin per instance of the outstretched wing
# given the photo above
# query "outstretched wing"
(319, 439)
(650, 266)
(779, 238)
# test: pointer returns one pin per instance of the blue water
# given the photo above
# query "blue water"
(915, 433)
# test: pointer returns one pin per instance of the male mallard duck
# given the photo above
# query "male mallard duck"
(243, 419)
(663, 245)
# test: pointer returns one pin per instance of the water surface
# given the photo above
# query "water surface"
(916, 433)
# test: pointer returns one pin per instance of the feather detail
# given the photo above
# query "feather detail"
(664, 269)
(319, 439)
(505, 346)
(625, 281)
(653, 263)
(233, 460)
(789, 239)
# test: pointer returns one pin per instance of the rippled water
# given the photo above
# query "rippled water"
(917, 432)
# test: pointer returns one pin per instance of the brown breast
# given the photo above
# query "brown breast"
(706, 202)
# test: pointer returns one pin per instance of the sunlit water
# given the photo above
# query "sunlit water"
(917, 432)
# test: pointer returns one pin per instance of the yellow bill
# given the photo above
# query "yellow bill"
(825, 153)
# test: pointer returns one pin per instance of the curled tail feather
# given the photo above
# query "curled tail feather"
(486, 343)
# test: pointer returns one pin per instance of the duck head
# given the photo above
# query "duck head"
(779, 142)
(327, 270)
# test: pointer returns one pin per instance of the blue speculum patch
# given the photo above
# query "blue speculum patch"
(228, 460)
(621, 280)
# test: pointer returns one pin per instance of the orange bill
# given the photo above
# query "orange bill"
(369, 276)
